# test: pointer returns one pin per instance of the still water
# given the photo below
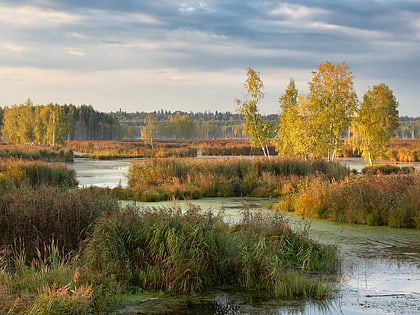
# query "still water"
(380, 272)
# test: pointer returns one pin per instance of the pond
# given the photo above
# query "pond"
(380, 272)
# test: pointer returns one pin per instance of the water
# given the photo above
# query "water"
(102, 173)
(358, 164)
(380, 273)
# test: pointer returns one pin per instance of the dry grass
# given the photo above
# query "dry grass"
(195, 178)
(392, 200)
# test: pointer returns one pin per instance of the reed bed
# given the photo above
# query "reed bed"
(108, 150)
(38, 216)
(42, 153)
(160, 179)
(48, 283)
(232, 148)
(166, 249)
(392, 200)
(16, 173)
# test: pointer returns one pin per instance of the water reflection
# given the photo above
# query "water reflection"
(231, 303)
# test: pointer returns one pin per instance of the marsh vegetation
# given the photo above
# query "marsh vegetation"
(73, 250)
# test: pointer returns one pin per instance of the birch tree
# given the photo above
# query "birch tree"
(290, 123)
(333, 103)
(148, 128)
(260, 133)
(377, 121)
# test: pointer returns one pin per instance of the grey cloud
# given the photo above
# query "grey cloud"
(378, 39)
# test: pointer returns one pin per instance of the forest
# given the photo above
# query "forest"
(38, 124)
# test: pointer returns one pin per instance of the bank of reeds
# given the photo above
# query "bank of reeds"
(108, 150)
(48, 283)
(16, 173)
(38, 216)
(232, 148)
(161, 179)
(387, 169)
(42, 153)
(165, 249)
(42, 232)
(391, 200)
(403, 150)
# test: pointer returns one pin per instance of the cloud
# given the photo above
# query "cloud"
(293, 13)
(34, 17)
(142, 47)
(13, 48)
(75, 52)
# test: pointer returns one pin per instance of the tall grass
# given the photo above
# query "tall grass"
(165, 249)
(42, 232)
(195, 178)
(38, 216)
(49, 284)
(107, 150)
(392, 200)
(16, 173)
(42, 153)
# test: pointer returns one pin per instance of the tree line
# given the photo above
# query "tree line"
(52, 124)
(188, 125)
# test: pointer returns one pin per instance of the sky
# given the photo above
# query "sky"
(147, 55)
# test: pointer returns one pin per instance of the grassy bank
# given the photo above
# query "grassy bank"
(108, 150)
(41, 153)
(163, 179)
(392, 200)
(17, 173)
